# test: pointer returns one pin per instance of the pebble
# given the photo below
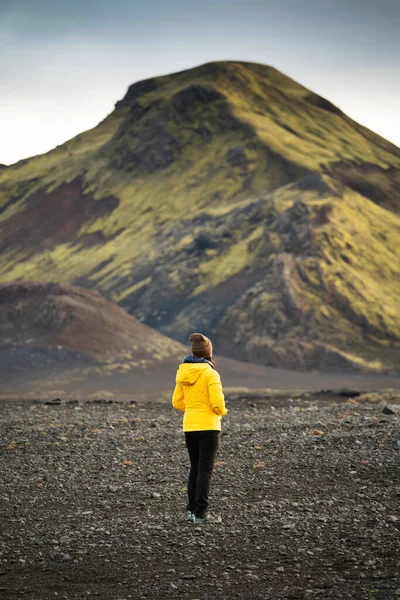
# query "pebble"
(66, 557)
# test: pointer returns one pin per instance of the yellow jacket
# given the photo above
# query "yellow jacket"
(198, 393)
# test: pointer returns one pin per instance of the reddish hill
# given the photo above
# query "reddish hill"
(48, 329)
(75, 319)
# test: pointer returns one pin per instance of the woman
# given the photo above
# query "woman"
(198, 393)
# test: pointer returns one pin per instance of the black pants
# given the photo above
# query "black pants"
(202, 447)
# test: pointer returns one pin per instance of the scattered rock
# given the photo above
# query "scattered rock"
(66, 557)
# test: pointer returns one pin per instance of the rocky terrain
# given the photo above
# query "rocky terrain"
(226, 198)
(92, 500)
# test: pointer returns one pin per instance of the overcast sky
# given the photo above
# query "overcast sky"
(64, 63)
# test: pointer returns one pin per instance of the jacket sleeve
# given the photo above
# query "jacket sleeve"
(216, 395)
(178, 399)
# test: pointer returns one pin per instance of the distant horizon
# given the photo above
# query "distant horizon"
(63, 66)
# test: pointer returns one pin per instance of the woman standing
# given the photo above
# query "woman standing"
(198, 393)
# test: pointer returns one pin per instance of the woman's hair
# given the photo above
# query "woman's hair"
(200, 355)
(211, 360)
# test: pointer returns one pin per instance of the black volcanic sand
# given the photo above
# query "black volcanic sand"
(56, 370)
(308, 489)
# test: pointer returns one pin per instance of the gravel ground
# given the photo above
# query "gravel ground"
(92, 502)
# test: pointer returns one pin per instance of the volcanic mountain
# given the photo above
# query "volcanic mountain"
(228, 199)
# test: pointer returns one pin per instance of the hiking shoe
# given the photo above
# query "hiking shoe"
(207, 519)
(190, 516)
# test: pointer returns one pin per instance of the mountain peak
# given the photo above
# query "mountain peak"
(215, 73)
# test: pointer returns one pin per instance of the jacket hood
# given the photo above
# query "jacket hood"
(188, 373)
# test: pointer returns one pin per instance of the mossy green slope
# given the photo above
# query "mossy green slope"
(330, 293)
(190, 154)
